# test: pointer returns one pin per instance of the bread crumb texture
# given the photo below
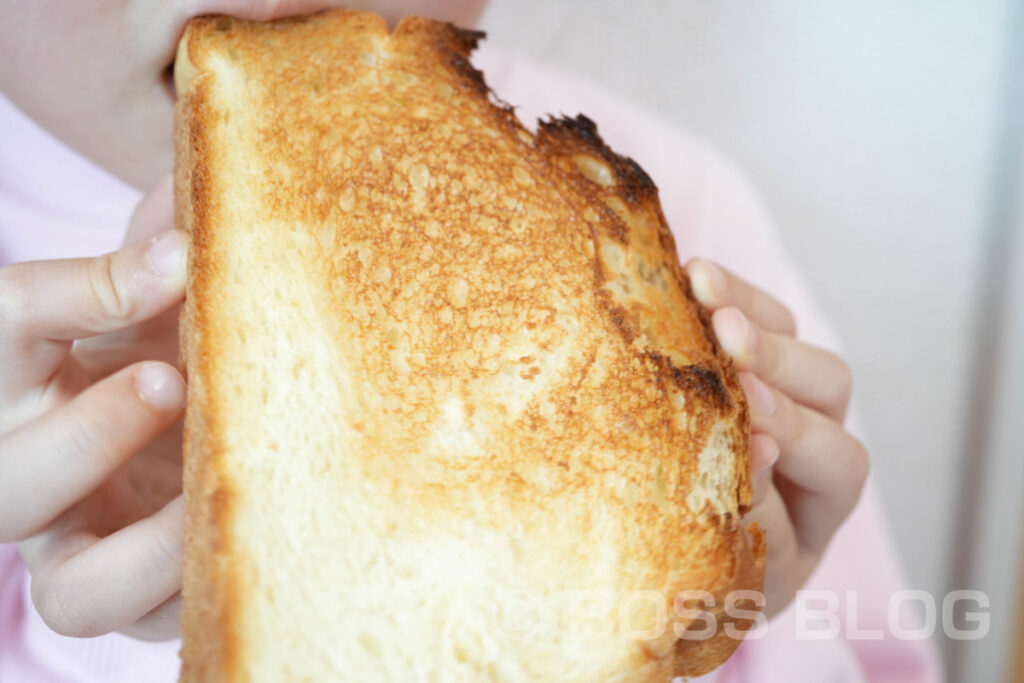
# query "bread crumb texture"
(435, 360)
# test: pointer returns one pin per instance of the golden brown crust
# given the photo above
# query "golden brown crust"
(417, 199)
(207, 589)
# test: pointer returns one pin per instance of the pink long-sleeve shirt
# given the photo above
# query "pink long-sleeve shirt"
(55, 204)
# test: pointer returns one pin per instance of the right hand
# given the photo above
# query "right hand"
(90, 440)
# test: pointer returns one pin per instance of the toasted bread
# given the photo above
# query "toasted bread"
(453, 412)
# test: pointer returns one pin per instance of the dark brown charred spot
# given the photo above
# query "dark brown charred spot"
(693, 380)
(599, 276)
(458, 43)
(620, 319)
(619, 316)
(465, 38)
(579, 133)
(728, 520)
(614, 227)
(638, 172)
(469, 74)
(583, 129)
(702, 381)
(666, 240)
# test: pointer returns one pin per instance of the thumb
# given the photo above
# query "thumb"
(154, 214)
(44, 305)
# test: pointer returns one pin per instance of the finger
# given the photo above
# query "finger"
(761, 483)
(812, 376)
(773, 516)
(85, 586)
(46, 304)
(103, 356)
(153, 216)
(764, 451)
(817, 454)
(161, 623)
(57, 459)
(715, 287)
(822, 467)
(156, 337)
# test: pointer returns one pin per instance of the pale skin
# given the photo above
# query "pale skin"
(90, 435)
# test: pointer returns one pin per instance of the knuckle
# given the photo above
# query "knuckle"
(110, 297)
(164, 551)
(788, 322)
(55, 601)
(794, 420)
(771, 361)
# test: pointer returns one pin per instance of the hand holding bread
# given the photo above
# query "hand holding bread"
(89, 447)
(808, 469)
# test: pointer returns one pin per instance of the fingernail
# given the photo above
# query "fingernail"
(167, 254)
(737, 334)
(160, 386)
(709, 283)
(758, 394)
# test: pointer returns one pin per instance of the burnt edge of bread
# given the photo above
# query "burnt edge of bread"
(465, 41)
(629, 175)
(715, 382)
(632, 184)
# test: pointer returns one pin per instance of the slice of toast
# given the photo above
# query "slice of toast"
(453, 413)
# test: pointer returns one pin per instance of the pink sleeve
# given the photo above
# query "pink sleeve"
(714, 213)
(31, 653)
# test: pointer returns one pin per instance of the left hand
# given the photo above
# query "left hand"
(808, 471)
